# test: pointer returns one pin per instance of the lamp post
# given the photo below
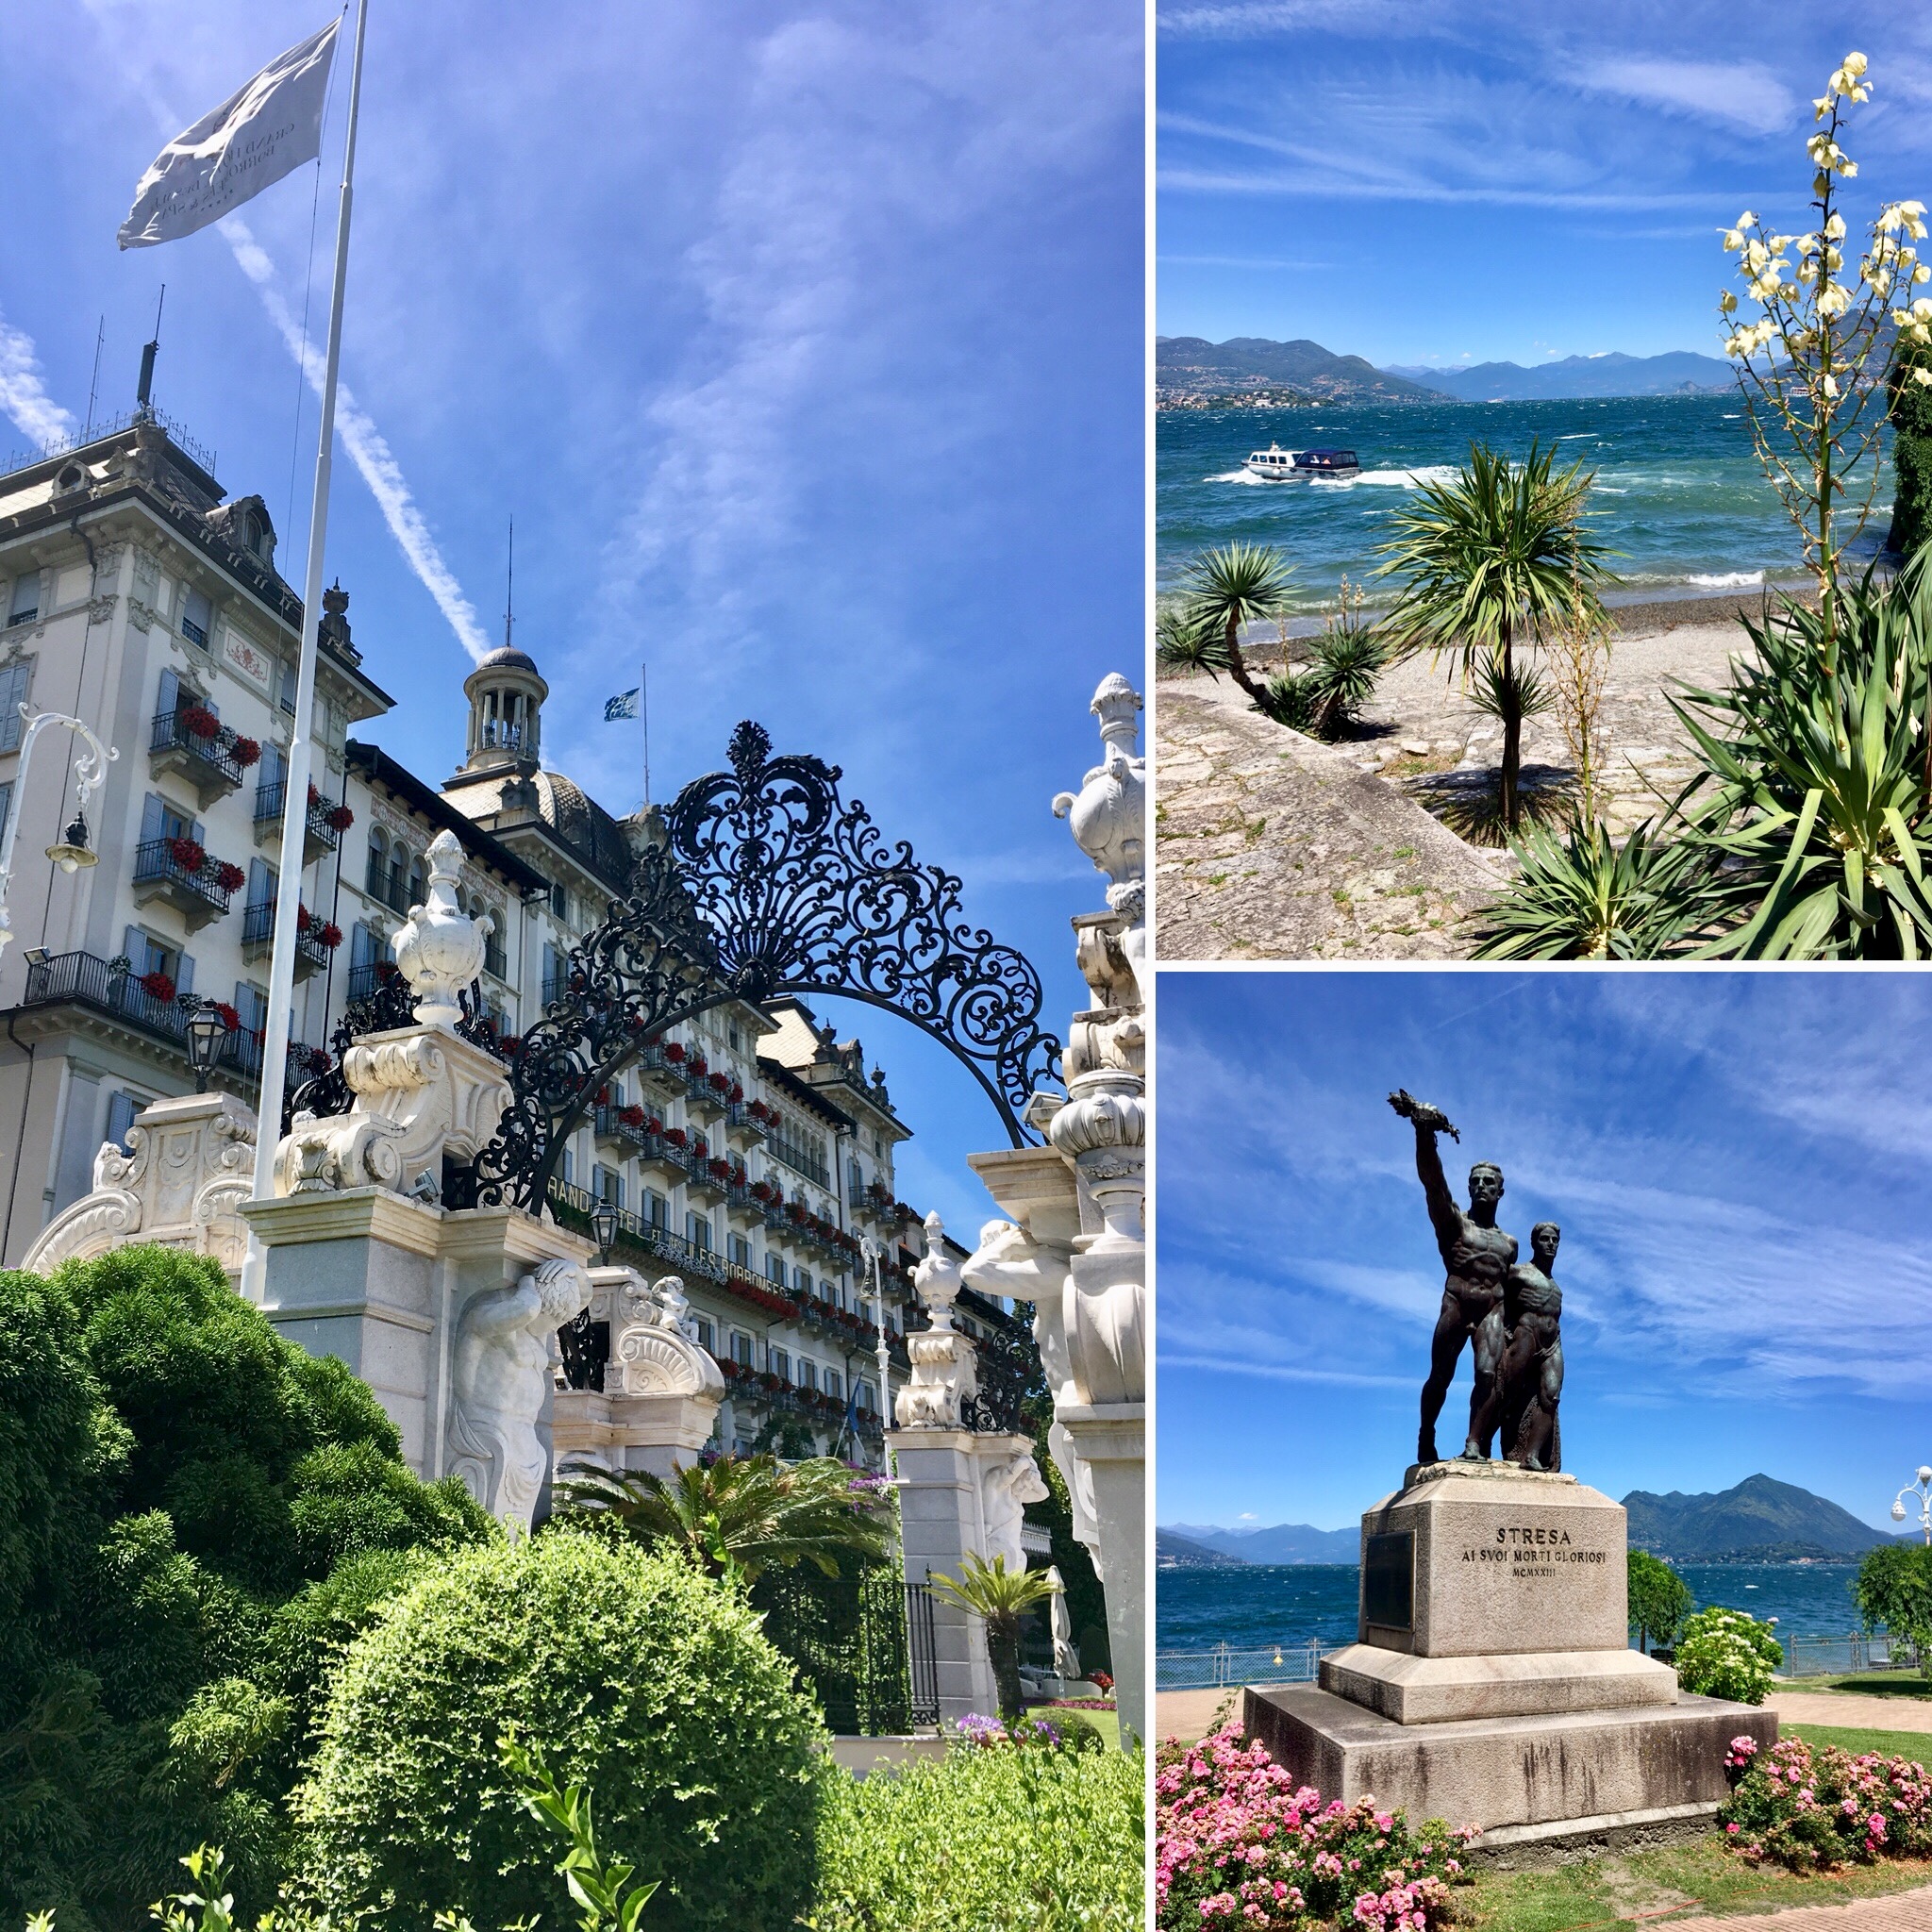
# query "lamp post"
(1921, 1493)
(208, 1034)
(71, 852)
(874, 1255)
(604, 1227)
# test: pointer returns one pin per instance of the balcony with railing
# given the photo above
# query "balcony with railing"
(147, 1003)
(312, 949)
(797, 1156)
(388, 885)
(182, 874)
(320, 831)
(189, 739)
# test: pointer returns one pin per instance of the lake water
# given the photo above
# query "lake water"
(1679, 491)
(1315, 1603)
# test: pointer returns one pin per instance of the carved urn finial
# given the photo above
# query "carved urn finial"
(1109, 814)
(937, 1277)
(440, 949)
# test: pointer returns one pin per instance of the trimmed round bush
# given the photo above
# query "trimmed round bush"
(640, 1678)
(1728, 1654)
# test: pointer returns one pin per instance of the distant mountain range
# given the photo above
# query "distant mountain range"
(1680, 372)
(1287, 1542)
(1244, 369)
(1758, 1522)
(1190, 365)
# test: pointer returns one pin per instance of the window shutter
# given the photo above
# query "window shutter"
(13, 691)
(122, 1109)
(262, 882)
(169, 699)
(184, 980)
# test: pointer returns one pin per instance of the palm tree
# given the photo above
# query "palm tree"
(740, 1515)
(999, 1597)
(1497, 556)
(1228, 587)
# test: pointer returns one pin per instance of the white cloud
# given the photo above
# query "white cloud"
(1739, 93)
(24, 395)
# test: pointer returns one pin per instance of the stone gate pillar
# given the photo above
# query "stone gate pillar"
(961, 1490)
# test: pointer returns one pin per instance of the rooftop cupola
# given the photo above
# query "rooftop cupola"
(505, 695)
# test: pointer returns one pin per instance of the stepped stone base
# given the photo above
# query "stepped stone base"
(1448, 1689)
(1579, 1769)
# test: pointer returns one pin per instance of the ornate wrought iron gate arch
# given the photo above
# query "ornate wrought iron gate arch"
(767, 883)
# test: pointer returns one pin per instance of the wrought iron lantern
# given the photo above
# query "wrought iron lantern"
(208, 1033)
(74, 854)
(604, 1227)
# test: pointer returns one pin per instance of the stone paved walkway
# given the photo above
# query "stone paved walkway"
(1904, 1912)
(1269, 846)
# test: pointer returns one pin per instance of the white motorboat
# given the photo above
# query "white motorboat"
(1273, 465)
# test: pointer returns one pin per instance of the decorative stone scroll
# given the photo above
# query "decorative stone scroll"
(188, 1165)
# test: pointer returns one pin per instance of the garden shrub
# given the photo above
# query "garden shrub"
(172, 1474)
(1728, 1654)
(983, 1841)
(1236, 1838)
(1058, 1730)
(1814, 1807)
(637, 1675)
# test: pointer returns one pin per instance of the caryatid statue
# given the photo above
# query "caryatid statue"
(1529, 1385)
(1478, 1256)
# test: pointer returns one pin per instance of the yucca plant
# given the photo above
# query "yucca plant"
(1583, 897)
(1813, 803)
(740, 1515)
(1225, 588)
(1293, 699)
(1185, 641)
(1488, 563)
(999, 1597)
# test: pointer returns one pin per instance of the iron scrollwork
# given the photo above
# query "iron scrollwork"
(764, 881)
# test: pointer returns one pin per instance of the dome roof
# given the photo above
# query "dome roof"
(506, 657)
(582, 823)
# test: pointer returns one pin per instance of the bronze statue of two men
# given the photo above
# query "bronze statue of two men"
(1509, 1312)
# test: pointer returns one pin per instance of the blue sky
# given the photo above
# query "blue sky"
(1477, 179)
(803, 343)
(1740, 1163)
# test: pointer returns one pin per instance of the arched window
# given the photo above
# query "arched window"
(378, 862)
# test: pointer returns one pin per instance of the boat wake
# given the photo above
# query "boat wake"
(1238, 476)
(1406, 479)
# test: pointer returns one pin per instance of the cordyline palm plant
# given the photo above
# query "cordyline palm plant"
(1814, 800)
(1583, 897)
(1225, 588)
(1489, 563)
(740, 1515)
(999, 1597)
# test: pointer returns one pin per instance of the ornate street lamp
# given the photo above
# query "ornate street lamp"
(1921, 1493)
(874, 1255)
(208, 1034)
(71, 852)
(603, 1227)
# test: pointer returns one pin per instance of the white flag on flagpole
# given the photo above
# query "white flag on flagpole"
(268, 127)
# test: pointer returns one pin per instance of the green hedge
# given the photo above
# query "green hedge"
(987, 1842)
(176, 1481)
(638, 1676)
(1912, 461)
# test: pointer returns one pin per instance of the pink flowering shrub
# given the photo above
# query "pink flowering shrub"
(1237, 1844)
(1816, 1807)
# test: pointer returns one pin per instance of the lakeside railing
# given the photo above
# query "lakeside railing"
(1836, 1657)
(1224, 1666)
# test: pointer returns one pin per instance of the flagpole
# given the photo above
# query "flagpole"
(274, 1049)
(644, 712)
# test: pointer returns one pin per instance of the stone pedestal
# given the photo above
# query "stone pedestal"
(1492, 1683)
(662, 1392)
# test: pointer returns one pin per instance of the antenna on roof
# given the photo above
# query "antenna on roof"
(93, 389)
(509, 589)
(147, 355)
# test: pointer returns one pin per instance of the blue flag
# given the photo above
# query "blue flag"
(625, 704)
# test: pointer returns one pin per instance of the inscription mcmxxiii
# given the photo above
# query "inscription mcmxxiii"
(1528, 1551)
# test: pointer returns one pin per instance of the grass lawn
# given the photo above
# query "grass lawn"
(1688, 1879)
(1683, 1880)
(1108, 1723)
(1868, 1684)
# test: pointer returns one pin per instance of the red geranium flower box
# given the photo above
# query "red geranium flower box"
(200, 720)
(157, 986)
(189, 856)
(245, 752)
